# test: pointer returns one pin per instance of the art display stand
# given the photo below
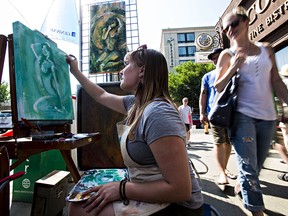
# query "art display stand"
(92, 116)
(23, 145)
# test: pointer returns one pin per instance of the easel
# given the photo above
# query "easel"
(21, 145)
(4, 172)
(3, 45)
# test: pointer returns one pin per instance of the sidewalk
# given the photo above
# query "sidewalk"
(275, 191)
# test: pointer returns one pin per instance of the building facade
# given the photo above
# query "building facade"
(268, 23)
(179, 45)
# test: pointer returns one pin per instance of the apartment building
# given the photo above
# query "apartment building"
(179, 45)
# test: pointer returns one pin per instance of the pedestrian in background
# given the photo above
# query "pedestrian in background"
(186, 114)
(254, 118)
(222, 147)
(282, 148)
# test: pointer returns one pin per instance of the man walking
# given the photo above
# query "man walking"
(186, 114)
(222, 143)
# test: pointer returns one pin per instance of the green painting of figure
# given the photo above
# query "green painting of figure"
(42, 77)
(107, 37)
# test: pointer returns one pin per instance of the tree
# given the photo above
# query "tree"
(185, 81)
(4, 93)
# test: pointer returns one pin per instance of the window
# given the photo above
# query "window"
(190, 37)
(182, 51)
(5, 121)
(282, 57)
(186, 51)
(186, 37)
(181, 38)
(183, 61)
(191, 50)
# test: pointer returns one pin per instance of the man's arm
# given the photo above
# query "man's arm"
(202, 104)
(191, 119)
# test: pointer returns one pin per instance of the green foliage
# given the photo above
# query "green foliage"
(4, 93)
(185, 81)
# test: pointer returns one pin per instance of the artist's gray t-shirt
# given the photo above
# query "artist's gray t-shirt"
(159, 119)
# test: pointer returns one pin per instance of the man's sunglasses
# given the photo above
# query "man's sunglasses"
(233, 24)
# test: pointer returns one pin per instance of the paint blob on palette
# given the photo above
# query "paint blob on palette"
(92, 178)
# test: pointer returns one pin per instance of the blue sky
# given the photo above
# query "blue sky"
(153, 16)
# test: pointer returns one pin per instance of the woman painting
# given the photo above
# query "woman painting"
(161, 182)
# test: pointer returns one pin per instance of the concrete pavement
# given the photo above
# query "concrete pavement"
(275, 191)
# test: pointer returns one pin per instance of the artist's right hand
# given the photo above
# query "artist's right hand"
(72, 61)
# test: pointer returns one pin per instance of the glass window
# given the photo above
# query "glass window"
(191, 50)
(186, 37)
(282, 57)
(190, 37)
(186, 51)
(181, 38)
(182, 51)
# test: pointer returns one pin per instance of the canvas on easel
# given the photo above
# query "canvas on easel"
(42, 79)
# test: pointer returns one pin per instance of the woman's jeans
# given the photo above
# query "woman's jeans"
(251, 139)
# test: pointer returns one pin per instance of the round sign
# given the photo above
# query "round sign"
(26, 183)
(204, 41)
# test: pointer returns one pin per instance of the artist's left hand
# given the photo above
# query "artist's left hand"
(103, 195)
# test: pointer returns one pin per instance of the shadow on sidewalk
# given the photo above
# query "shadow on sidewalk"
(271, 213)
(220, 199)
(274, 190)
(203, 146)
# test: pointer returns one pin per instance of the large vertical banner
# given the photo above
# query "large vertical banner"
(61, 21)
(108, 37)
(43, 90)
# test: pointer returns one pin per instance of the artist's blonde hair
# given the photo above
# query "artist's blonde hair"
(154, 85)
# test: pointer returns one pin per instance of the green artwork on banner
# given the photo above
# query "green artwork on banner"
(108, 37)
(43, 90)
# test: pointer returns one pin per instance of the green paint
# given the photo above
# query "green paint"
(94, 177)
(43, 89)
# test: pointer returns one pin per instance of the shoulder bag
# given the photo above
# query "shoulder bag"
(224, 105)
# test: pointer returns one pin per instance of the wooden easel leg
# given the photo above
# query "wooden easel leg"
(17, 163)
(70, 165)
(5, 191)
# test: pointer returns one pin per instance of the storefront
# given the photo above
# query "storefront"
(268, 23)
